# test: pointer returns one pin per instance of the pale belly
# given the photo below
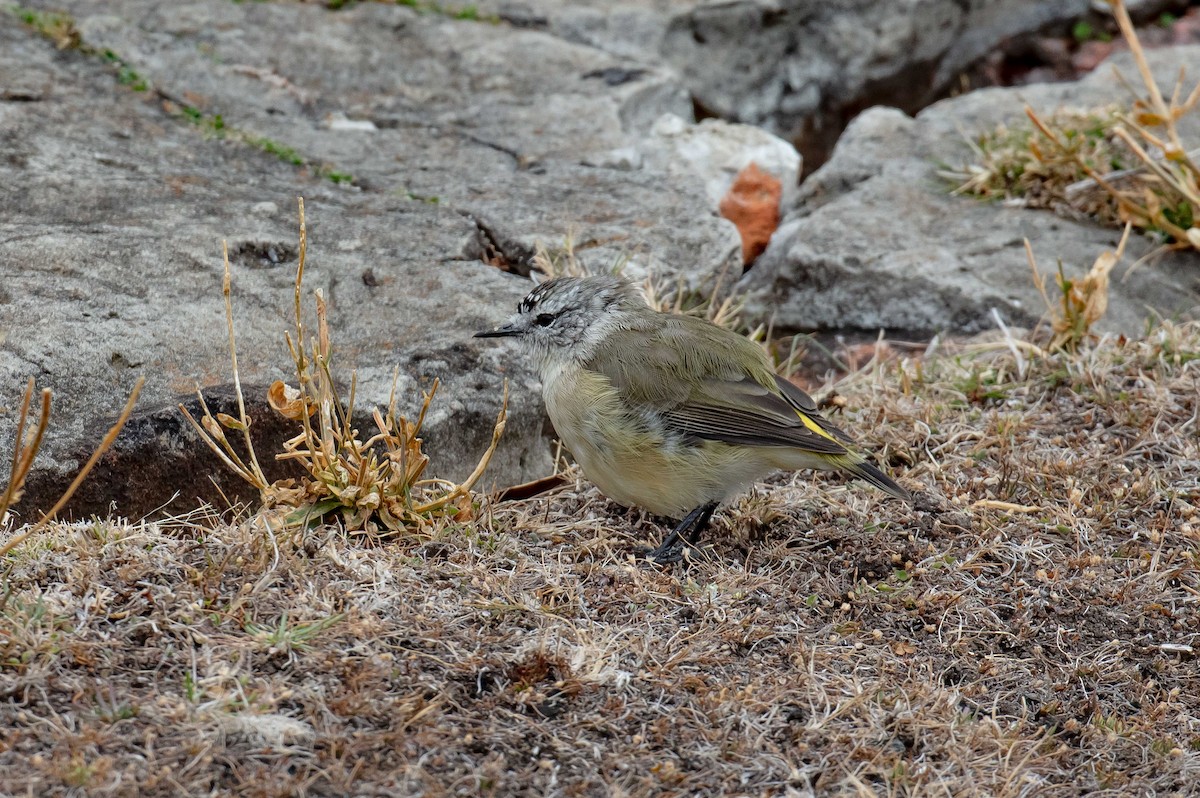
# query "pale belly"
(634, 464)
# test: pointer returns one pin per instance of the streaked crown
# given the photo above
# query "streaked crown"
(567, 317)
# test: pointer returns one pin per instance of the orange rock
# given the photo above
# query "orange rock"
(753, 205)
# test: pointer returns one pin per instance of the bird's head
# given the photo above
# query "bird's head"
(568, 317)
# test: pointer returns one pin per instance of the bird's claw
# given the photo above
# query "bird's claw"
(665, 554)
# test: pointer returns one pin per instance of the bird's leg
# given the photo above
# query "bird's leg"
(688, 530)
(706, 514)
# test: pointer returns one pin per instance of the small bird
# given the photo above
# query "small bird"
(666, 412)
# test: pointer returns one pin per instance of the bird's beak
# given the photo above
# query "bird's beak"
(503, 331)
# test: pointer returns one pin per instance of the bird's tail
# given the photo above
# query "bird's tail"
(869, 472)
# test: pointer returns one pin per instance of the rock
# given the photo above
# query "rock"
(803, 69)
(876, 241)
(494, 121)
(624, 159)
(423, 147)
(717, 152)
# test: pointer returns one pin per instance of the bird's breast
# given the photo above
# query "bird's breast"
(630, 457)
(588, 416)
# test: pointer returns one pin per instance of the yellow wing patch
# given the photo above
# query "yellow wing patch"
(815, 427)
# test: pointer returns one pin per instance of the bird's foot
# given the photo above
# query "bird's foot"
(667, 554)
(683, 538)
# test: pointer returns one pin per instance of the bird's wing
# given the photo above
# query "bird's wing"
(732, 395)
(805, 404)
(748, 414)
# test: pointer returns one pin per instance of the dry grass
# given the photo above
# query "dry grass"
(370, 485)
(1120, 166)
(1016, 164)
(1080, 303)
(27, 443)
(1029, 629)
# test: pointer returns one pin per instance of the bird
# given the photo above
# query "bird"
(668, 412)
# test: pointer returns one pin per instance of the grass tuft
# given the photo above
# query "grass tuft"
(1117, 165)
(1081, 303)
(372, 486)
(468, 13)
(1015, 163)
(57, 26)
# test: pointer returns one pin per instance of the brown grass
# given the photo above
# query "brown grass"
(1030, 628)
(1117, 165)
(370, 485)
(28, 440)
(1080, 303)
(1014, 162)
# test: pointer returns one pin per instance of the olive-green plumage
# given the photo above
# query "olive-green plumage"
(669, 412)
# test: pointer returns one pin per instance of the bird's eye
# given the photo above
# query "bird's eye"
(545, 319)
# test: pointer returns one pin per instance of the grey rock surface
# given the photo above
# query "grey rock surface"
(717, 151)
(876, 241)
(492, 120)
(802, 68)
(465, 141)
